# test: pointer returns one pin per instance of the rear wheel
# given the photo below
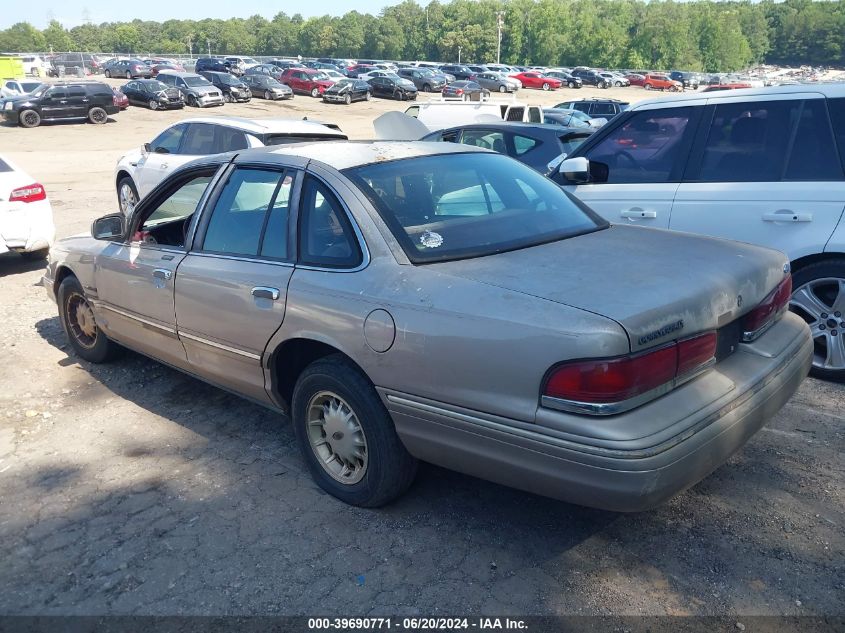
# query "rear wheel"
(29, 118)
(128, 75)
(107, 74)
(819, 298)
(647, 86)
(97, 115)
(546, 86)
(346, 435)
(602, 84)
(77, 317)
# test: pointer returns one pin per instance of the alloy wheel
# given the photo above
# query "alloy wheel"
(821, 303)
(127, 199)
(336, 437)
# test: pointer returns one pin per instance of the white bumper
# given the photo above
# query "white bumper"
(26, 226)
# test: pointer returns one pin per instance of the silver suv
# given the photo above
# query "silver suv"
(197, 90)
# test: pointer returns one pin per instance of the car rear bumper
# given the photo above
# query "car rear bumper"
(26, 227)
(690, 440)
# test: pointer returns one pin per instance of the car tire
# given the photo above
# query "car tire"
(818, 289)
(192, 101)
(571, 84)
(128, 75)
(228, 98)
(107, 74)
(379, 466)
(29, 118)
(426, 88)
(86, 338)
(347, 99)
(267, 95)
(127, 195)
(315, 92)
(368, 96)
(647, 86)
(546, 86)
(97, 115)
(153, 104)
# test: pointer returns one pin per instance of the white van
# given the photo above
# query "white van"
(759, 165)
(436, 115)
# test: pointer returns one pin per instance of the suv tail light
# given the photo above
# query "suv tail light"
(30, 193)
(761, 318)
(614, 385)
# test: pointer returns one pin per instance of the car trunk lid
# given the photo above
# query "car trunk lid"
(658, 285)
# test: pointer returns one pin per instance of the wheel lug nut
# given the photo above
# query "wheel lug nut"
(822, 326)
(837, 314)
(833, 332)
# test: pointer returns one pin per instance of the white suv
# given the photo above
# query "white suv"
(140, 170)
(764, 165)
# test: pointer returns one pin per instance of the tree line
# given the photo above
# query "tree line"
(661, 34)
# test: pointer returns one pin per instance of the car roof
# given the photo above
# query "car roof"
(267, 126)
(346, 154)
(830, 90)
(180, 74)
(543, 128)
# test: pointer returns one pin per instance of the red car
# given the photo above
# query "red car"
(167, 66)
(120, 99)
(537, 80)
(636, 79)
(657, 81)
(307, 80)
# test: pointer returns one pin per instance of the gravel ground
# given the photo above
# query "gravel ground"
(130, 488)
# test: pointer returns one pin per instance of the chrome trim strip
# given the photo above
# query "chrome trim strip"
(613, 408)
(233, 350)
(750, 337)
(239, 258)
(158, 326)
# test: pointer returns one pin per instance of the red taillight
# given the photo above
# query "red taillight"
(459, 91)
(616, 380)
(763, 316)
(30, 193)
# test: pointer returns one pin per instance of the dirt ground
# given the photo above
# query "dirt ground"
(131, 489)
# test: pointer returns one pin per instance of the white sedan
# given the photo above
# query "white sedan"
(26, 217)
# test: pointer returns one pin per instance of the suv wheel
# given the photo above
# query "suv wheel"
(85, 336)
(192, 101)
(819, 298)
(127, 195)
(647, 86)
(315, 92)
(107, 74)
(29, 118)
(97, 115)
(346, 436)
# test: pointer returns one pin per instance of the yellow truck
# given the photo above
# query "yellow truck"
(11, 68)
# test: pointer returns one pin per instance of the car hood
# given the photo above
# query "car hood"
(658, 285)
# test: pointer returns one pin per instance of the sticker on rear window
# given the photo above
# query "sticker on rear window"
(430, 239)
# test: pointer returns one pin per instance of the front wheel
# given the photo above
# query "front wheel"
(77, 317)
(153, 104)
(97, 115)
(192, 101)
(819, 298)
(267, 95)
(503, 88)
(426, 88)
(315, 92)
(346, 436)
(571, 84)
(128, 75)
(347, 99)
(368, 96)
(29, 118)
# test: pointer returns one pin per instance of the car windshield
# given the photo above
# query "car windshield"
(155, 86)
(29, 86)
(40, 90)
(195, 81)
(344, 82)
(319, 76)
(227, 79)
(455, 206)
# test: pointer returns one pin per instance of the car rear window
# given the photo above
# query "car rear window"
(469, 205)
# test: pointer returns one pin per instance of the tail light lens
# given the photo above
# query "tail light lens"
(608, 386)
(761, 318)
(459, 91)
(30, 193)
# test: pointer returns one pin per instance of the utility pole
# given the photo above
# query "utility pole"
(209, 47)
(190, 48)
(500, 24)
(459, 54)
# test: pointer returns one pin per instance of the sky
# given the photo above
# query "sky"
(74, 12)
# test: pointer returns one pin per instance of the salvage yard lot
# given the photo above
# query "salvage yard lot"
(130, 488)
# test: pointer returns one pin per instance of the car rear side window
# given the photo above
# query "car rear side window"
(243, 209)
(523, 144)
(488, 139)
(199, 139)
(227, 139)
(812, 155)
(646, 148)
(836, 107)
(602, 109)
(326, 237)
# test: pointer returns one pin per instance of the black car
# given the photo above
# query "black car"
(91, 100)
(233, 89)
(689, 80)
(423, 79)
(596, 108)
(153, 94)
(213, 64)
(267, 87)
(348, 90)
(129, 68)
(535, 144)
(393, 88)
(591, 78)
(458, 71)
(568, 79)
(269, 70)
(465, 90)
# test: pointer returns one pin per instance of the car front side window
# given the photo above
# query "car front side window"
(168, 141)
(646, 148)
(164, 223)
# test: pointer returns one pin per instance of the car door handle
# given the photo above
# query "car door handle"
(785, 215)
(162, 273)
(636, 212)
(263, 292)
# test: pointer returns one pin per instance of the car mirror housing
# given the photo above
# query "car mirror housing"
(109, 227)
(575, 169)
(147, 148)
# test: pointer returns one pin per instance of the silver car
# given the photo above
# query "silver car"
(427, 301)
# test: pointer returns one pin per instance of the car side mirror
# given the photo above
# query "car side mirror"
(575, 170)
(148, 148)
(109, 227)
